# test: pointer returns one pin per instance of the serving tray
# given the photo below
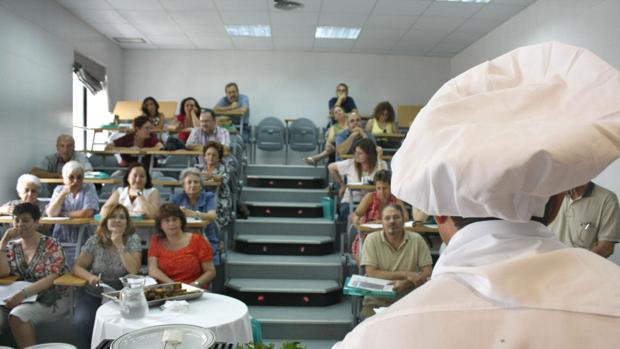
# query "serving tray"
(191, 293)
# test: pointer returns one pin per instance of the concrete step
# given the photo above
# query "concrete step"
(240, 265)
(305, 323)
(284, 292)
(285, 226)
(283, 194)
(286, 170)
(283, 285)
(284, 239)
(295, 245)
(279, 181)
(284, 209)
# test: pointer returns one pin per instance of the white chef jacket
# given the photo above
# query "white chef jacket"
(542, 297)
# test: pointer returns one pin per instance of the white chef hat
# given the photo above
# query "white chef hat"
(499, 139)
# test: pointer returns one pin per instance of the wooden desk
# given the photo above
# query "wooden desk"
(350, 156)
(7, 280)
(86, 180)
(389, 136)
(209, 184)
(69, 279)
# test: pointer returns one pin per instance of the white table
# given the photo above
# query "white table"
(227, 317)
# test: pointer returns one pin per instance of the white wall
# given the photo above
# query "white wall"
(283, 84)
(37, 41)
(592, 24)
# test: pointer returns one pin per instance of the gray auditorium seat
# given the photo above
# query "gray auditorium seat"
(302, 136)
(270, 135)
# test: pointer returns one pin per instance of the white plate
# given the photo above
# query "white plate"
(51, 346)
(194, 337)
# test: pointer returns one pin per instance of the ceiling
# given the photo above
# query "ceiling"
(402, 27)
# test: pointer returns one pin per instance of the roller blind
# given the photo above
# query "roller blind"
(89, 72)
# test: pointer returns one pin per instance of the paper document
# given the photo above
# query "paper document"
(371, 284)
(7, 291)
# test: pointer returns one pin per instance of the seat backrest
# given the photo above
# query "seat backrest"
(270, 134)
(302, 135)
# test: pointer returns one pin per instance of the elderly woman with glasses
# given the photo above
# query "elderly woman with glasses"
(200, 204)
(74, 199)
(28, 191)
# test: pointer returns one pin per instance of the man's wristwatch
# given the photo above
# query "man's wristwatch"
(139, 193)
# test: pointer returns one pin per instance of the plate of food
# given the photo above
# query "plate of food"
(158, 294)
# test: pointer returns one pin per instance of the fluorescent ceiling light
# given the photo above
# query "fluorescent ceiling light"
(124, 40)
(257, 31)
(337, 33)
(471, 1)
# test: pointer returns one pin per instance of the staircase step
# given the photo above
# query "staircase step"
(296, 245)
(329, 322)
(284, 209)
(291, 292)
(283, 225)
(327, 267)
(283, 194)
(278, 181)
(289, 170)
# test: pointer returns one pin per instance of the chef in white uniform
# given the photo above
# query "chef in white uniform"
(496, 144)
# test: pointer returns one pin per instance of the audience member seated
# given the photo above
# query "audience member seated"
(141, 137)
(208, 131)
(396, 255)
(198, 203)
(342, 100)
(330, 137)
(150, 109)
(137, 194)
(74, 199)
(349, 137)
(175, 255)
(384, 123)
(51, 167)
(187, 117)
(235, 104)
(28, 191)
(369, 209)
(365, 163)
(114, 251)
(214, 169)
(36, 258)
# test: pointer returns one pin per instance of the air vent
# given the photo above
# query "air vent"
(287, 5)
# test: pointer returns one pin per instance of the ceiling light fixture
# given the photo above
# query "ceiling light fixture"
(255, 31)
(127, 40)
(287, 5)
(349, 33)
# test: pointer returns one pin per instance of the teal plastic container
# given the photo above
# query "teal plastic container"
(328, 208)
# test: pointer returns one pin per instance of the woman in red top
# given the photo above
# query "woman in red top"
(178, 256)
(369, 209)
(141, 137)
(189, 112)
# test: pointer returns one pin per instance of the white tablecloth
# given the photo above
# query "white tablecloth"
(227, 317)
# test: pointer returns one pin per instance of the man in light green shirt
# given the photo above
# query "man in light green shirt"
(394, 254)
(589, 218)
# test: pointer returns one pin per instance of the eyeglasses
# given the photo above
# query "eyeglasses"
(76, 177)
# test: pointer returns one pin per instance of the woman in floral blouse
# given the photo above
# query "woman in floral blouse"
(38, 259)
(215, 169)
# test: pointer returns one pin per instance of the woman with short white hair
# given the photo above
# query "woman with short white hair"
(74, 199)
(28, 191)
